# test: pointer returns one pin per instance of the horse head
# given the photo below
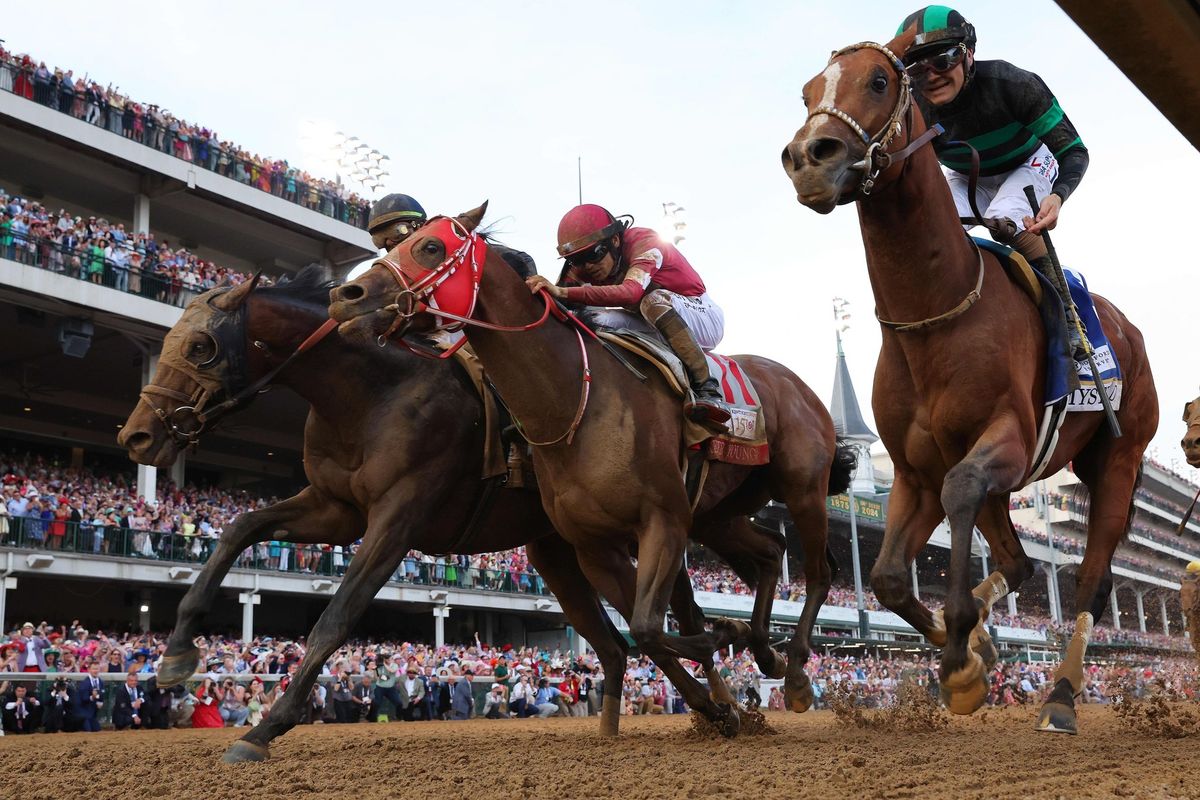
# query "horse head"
(203, 362)
(1191, 439)
(436, 269)
(857, 110)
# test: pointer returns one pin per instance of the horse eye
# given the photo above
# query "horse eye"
(879, 84)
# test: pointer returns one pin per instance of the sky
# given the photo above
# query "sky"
(683, 102)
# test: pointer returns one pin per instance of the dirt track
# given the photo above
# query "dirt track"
(811, 756)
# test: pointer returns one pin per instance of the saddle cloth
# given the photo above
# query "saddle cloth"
(1058, 350)
(745, 441)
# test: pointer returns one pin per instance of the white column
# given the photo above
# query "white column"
(147, 477)
(248, 600)
(576, 643)
(1140, 609)
(440, 613)
(11, 583)
(1162, 605)
(783, 535)
(916, 585)
(1012, 604)
(1055, 610)
(141, 213)
(1116, 610)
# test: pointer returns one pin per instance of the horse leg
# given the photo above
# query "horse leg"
(1111, 486)
(691, 621)
(912, 515)
(1013, 568)
(555, 561)
(383, 547)
(756, 556)
(994, 465)
(307, 517)
(812, 527)
(611, 572)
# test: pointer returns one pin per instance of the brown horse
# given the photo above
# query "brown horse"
(958, 400)
(372, 474)
(607, 447)
(1191, 437)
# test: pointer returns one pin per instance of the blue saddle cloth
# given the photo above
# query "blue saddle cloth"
(1058, 347)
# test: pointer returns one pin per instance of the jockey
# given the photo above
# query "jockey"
(1012, 119)
(611, 264)
(393, 219)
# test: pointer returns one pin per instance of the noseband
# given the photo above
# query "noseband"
(877, 158)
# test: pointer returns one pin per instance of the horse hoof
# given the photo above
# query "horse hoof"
(1058, 712)
(964, 691)
(773, 666)
(798, 698)
(727, 721)
(242, 751)
(174, 670)
(733, 630)
(981, 643)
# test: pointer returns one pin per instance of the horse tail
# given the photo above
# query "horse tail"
(845, 461)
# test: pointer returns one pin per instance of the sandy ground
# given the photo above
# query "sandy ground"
(994, 754)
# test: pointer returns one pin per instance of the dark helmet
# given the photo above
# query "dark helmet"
(585, 225)
(938, 27)
(394, 217)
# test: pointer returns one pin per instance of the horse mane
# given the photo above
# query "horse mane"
(309, 286)
(521, 263)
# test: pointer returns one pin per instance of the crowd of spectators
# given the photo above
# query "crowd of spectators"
(150, 125)
(95, 250)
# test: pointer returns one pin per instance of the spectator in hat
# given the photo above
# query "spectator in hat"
(33, 644)
(409, 693)
(207, 713)
(493, 703)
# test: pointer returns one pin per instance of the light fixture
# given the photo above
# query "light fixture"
(27, 408)
(145, 609)
(438, 595)
(179, 573)
(542, 604)
(39, 560)
(322, 584)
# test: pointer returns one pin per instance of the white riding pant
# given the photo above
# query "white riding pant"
(1000, 196)
(704, 318)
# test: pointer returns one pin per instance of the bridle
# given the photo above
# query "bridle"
(417, 296)
(185, 423)
(877, 158)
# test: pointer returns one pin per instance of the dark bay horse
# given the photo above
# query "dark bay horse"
(373, 472)
(958, 401)
(608, 447)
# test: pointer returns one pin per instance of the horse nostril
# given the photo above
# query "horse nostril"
(136, 441)
(793, 157)
(825, 149)
(350, 293)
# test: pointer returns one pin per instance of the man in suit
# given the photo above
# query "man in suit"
(462, 699)
(57, 707)
(127, 704)
(89, 699)
(363, 697)
(411, 692)
(21, 711)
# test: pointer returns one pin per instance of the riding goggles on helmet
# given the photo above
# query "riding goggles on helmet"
(592, 255)
(938, 62)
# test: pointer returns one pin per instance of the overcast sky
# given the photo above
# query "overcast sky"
(687, 102)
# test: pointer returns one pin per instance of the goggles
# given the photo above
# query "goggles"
(591, 255)
(939, 62)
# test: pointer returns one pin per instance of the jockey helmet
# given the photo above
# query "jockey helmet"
(584, 226)
(394, 217)
(938, 28)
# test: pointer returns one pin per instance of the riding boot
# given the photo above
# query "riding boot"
(1079, 350)
(706, 405)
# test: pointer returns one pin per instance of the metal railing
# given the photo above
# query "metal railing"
(54, 536)
(216, 156)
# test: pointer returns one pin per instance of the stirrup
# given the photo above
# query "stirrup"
(707, 410)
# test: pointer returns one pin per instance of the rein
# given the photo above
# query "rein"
(195, 410)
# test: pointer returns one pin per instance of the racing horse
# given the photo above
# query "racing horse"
(607, 446)
(372, 475)
(958, 393)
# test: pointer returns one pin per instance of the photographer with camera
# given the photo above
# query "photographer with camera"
(233, 702)
(207, 712)
(56, 714)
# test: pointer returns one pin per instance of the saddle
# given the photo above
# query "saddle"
(745, 441)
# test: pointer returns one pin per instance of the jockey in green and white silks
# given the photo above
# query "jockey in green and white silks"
(1007, 114)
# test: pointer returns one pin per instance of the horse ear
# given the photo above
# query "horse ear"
(1187, 410)
(903, 41)
(471, 219)
(230, 300)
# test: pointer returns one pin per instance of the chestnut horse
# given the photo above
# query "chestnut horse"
(958, 400)
(370, 473)
(607, 447)
(1191, 437)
